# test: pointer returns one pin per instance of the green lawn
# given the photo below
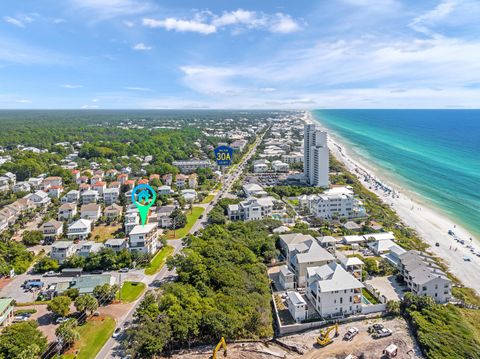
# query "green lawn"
(131, 291)
(208, 199)
(159, 260)
(93, 335)
(104, 232)
(191, 219)
(369, 296)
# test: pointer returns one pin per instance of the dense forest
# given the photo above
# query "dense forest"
(222, 290)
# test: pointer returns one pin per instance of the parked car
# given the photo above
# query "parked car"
(117, 333)
(21, 318)
(97, 271)
(382, 333)
(350, 334)
(373, 328)
(50, 273)
(123, 270)
(61, 320)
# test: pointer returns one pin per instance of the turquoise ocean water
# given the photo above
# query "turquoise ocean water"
(433, 153)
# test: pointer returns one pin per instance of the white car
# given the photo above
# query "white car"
(117, 333)
(61, 320)
(20, 318)
(350, 334)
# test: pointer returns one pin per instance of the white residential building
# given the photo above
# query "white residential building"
(260, 168)
(333, 291)
(424, 277)
(110, 195)
(85, 249)
(71, 197)
(61, 250)
(67, 211)
(336, 202)
(304, 255)
(132, 219)
(279, 166)
(165, 190)
(144, 239)
(297, 306)
(89, 196)
(254, 190)
(116, 244)
(316, 156)
(52, 230)
(286, 278)
(251, 209)
(79, 229)
(191, 165)
(293, 157)
(39, 198)
(91, 211)
(21, 187)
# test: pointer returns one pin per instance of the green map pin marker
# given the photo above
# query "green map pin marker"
(144, 197)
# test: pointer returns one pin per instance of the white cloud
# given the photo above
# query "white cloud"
(107, 9)
(72, 86)
(207, 22)
(19, 22)
(141, 47)
(180, 25)
(423, 22)
(392, 72)
(284, 24)
(135, 88)
(23, 101)
(129, 23)
(89, 107)
(16, 51)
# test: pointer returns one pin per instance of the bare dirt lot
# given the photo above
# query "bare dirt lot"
(363, 343)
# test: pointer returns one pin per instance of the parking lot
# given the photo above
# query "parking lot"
(13, 288)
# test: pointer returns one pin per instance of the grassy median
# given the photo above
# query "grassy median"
(159, 260)
(131, 291)
(93, 335)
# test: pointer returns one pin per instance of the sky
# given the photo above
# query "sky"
(302, 54)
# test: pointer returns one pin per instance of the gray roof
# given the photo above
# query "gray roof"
(115, 241)
(295, 298)
(331, 277)
(310, 251)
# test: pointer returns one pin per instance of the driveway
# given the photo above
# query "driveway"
(388, 286)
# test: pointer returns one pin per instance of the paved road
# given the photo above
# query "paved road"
(112, 345)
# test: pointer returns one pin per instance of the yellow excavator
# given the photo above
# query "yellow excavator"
(221, 343)
(324, 338)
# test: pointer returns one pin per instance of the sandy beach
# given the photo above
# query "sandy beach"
(432, 226)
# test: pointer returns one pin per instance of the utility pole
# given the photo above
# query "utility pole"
(120, 286)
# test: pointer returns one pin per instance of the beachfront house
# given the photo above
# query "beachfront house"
(333, 291)
(424, 277)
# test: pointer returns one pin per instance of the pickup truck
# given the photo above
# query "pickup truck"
(350, 334)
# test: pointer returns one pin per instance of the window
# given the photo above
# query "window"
(341, 300)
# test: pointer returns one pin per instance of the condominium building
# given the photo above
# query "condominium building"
(144, 239)
(333, 291)
(251, 209)
(336, 202)
(316, 156)
(191, 165)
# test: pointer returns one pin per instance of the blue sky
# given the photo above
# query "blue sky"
(239, 54)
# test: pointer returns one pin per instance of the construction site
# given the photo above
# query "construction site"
(376, 338)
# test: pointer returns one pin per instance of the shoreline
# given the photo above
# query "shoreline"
(431, 226)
